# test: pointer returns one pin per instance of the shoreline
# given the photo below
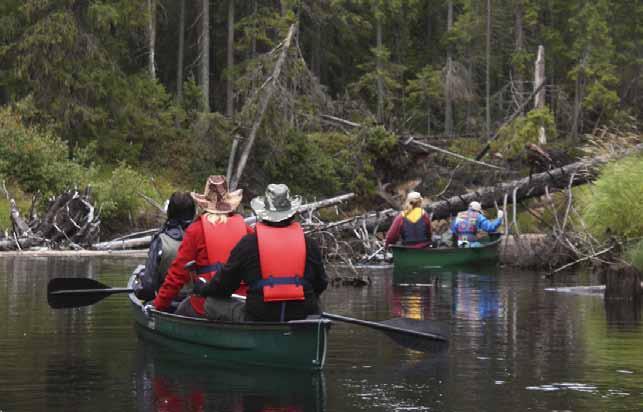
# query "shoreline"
(73, 253)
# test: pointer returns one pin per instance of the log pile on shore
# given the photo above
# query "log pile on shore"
(70, 222)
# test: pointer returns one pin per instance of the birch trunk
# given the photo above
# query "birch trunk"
(151, 37)
(539, 99)
(204, 54)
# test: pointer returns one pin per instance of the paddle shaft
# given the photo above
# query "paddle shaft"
(108, 291)
(380, 326)
(373, 325)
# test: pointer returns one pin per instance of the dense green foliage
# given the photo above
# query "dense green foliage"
(523, 130)
(331, 163)
(35, 160)
(635, 255)
(612, 206)
(77, 76)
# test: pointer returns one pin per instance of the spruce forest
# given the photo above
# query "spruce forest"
(136, 99)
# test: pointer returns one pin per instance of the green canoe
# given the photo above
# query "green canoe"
(409, 260)
(299, 344)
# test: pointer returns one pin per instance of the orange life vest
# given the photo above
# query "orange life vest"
(282, 256)
(220, 239)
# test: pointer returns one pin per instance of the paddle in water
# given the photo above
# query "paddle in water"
(77, 292)
(411, 333)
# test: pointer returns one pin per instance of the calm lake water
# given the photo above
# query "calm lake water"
(513, 347)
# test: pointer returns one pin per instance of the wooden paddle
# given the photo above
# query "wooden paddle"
(415, 334)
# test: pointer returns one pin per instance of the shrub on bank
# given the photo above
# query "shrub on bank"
(35, 159)
(612, 206)
(635, 255)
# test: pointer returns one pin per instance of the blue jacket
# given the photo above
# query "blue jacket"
(466, 225)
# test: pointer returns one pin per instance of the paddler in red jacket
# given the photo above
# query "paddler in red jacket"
(207, 241)
(413, 225)
(283, 267)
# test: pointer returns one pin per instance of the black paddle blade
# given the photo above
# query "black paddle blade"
(77, 292)
(63, 301)
(59, 284)
(415, 342)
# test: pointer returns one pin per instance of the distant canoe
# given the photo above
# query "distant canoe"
(410, 260)
(299, 344)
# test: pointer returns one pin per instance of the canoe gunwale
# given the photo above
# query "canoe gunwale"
(218, 323)
(432, 250)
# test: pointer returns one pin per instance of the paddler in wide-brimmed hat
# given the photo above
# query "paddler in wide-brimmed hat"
(207, 242)
(282, 267)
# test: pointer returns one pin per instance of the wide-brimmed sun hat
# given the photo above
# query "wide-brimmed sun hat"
(216, 198)
(276, 205)
(475, 206)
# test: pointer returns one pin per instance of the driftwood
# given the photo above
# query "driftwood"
(427, 147)
(70, 221)
(126, 242)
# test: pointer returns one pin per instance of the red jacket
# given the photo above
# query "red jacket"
(193, 247)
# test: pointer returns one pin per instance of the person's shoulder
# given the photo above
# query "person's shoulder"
(195, 228)
(248, 238)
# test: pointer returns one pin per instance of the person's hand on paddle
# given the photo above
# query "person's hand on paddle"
(199, 284)
(147, 309)
(501, 214)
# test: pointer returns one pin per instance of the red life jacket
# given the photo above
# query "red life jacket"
(220, 239)
(282, 256)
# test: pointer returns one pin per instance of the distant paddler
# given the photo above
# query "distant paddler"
(412, 225)
(467, 224)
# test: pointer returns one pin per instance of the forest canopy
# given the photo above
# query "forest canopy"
(166, 88)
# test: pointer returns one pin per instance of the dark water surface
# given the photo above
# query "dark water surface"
(514, 347)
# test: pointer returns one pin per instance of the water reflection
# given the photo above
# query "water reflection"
(623, 314)
(167, 381)
(471, 296)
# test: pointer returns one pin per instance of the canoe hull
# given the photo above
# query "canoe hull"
(293, 345)
(409, 261)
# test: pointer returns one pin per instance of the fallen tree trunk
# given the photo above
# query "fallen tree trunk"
(144, 241)
(264, 99)
(573, 174)
(537, 185)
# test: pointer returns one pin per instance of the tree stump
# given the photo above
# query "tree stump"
(622, 282)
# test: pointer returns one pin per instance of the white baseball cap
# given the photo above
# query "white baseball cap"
(475, 206)
(413, 196)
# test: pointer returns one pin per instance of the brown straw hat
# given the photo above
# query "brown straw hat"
(216, 198)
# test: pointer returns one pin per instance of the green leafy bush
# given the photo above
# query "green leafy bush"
(612, 207)
(523, 130)
(36, 159)
(635, 255)
(329, 163)
(119, 196)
